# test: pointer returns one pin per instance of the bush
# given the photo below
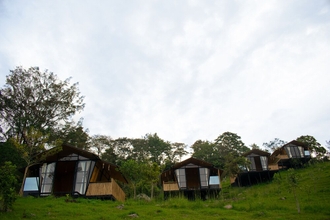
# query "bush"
(8, 183)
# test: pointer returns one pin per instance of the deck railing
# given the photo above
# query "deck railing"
(170, 186)
(106, 189)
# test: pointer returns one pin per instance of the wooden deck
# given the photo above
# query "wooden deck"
(170, 186)
(106, 189)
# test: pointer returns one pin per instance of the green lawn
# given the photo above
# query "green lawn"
(265, 201)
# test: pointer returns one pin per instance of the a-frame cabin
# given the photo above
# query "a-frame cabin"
(259, 170)
(192, 177)
(68, 170)
(294, 153)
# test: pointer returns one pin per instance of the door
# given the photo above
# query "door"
(64, 178)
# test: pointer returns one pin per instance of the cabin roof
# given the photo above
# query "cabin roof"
(294, 143)
(258, 152)
(193, 161)
(56, 153)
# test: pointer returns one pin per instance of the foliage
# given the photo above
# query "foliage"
(206, 150)
(10, 153)
(34, 104)
(8, 183)
(315, 147)
(131, 169)
(100, 143)
(262, 201)
(292, 179)
(274, 144)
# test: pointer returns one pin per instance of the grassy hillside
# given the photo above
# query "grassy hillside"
(266, 201)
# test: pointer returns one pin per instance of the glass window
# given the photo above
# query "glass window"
(214, 180)
(84, 171)
(253, 164)
(263, 160)
(31, 184)
(47, 177)
(204, 176)
(181, 177)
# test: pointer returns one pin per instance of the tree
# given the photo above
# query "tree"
(157, 148)
(206, 150)
(100, 143)
(151, 172)
(132, 170)
(229, 144)
(254, 146)
(34, 104)
(274, 144)
(315, 147)
(8, 183)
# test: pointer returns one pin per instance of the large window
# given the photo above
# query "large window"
(204, 177)
(263, 160)
(47, 178)
(252, 163)
(295, 151)
(181, 176)
(84, 170)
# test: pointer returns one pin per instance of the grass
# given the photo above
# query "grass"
(265, 201)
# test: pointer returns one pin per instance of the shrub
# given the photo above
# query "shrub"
(8, 183)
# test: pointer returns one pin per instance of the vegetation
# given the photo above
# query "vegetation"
(8, 183)
(35, 107)
(264, 201)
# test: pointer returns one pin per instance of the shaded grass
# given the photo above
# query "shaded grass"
(265, 201)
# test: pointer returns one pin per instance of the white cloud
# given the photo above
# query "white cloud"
(187, 70)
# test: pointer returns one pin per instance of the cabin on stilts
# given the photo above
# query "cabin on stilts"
(192, 178)
(293, 154)
(259, 170)
(68, 170)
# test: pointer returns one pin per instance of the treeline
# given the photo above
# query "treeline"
(36, 114)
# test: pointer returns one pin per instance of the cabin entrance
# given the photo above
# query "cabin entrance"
(64, 177)
(192, 177)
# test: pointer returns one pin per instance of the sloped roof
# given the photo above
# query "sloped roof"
(193, 161)
(56, 153)
(294, 142)
(258, 152)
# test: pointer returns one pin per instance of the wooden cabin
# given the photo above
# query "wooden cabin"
(294, 153)
(191, 177)
(68, 170)
(259, 170)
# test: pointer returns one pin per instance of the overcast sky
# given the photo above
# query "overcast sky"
(186, 70)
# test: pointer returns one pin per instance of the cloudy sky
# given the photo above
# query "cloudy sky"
(186, 70)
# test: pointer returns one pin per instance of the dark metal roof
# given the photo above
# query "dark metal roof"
(258, 152)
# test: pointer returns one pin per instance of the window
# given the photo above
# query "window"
(214, 180)
(263, 160)
(181, 176)
(47, 177)
(253, 164)
(31, 184)
(204, 176)
(84, 169)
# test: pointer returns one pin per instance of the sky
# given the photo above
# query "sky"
(186, 70)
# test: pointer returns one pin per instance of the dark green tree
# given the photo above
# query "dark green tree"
(229, 144)
(313, 145)
(157, 148)
(274, 144)
(100, 143)
(205, 150)
(34, 104)
(8, 183)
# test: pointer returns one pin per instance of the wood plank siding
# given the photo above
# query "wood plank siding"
(170, 186)
(106, 188)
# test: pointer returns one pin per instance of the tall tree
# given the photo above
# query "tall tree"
(274, 144)
(228, 145)
(100, 143)
(206, 150)
(314, 146)
(35, 102)
(157, 148)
